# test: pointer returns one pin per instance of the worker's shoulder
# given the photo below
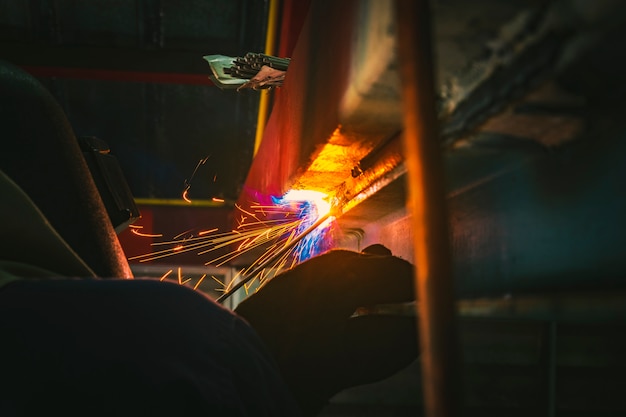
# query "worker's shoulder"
(159, 290)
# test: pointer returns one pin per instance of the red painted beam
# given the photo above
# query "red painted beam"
(293, 15)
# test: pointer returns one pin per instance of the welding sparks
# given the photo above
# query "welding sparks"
(195, 287)
(165, 275)
(135, 230)
(278, 236)
(185, 195)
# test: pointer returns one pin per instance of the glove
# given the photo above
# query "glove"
(305, 317)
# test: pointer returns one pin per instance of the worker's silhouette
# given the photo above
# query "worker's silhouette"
(81, 336)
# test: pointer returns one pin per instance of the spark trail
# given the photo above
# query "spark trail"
(284, 233)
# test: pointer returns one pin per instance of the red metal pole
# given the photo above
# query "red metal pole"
(436, 306)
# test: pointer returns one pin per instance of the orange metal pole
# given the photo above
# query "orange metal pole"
(436, 306)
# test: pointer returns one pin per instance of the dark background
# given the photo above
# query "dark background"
(132, 73)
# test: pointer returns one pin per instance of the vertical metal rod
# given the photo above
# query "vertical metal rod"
(437, 314)
(270, 41)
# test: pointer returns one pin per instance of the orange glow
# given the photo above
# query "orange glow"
(333, 162)
(217, 200)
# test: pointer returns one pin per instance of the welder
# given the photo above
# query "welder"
(82, 336)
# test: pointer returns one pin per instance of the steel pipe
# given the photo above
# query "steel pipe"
(426, 201)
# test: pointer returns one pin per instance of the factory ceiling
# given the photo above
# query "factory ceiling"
(132, 73)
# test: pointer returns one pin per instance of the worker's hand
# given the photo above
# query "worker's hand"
(305, 316)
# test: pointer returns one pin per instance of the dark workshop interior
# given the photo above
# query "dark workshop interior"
(523, 102)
